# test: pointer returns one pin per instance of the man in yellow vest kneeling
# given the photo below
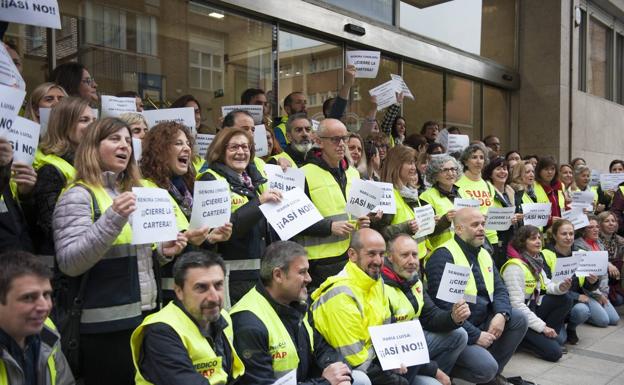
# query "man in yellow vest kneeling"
(30, 346)
(189, 341)
(274, 332)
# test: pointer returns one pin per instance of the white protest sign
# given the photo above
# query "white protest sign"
(594, 178)
(577, 217)
(401, 86)
(425, 216)
(565, 268)
(460, 203)
(453, 283)
(254, 110)
(183, 115)
(137, 149)
(457, 143)
(292, 215)
(592, 262)
(44, 117)
(582, 199)
(202, 142)
(366, 63)
(154, 219)
(387, 204)
(42, 13)
(363, 198)
(289, 378)
(114, 106)
(261, 145)
(9, 74)
(385, 94)
(284, 180)
(10, 102)
(315, 124)
(499, 218)
(212, 206)
(24, 137)
(96, 113)
(398, 344)
(611, 181)
(536, 214)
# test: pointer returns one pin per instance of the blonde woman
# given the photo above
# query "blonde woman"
(94, 243)
(137, 124)
(45, 95)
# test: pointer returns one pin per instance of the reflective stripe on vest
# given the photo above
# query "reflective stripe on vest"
(237, 200)
(327, 196)
(485, 265)
(403, 214)
(530, 283)
(441, 205)
(204, 359)
(41, 159)
(281, 346)
(401, 306)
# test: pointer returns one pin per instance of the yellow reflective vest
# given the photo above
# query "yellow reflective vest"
(198, 163)
(485, 265)
(281, 346)
(344, 306)
(403, 214)
(327, 196)
(203, 357)
(550, 257)
(285, 155)
(441, 205)
(67, 170)
(237, 200)
(400, 305)
(530, 283)
(542, 197)
(482, 191)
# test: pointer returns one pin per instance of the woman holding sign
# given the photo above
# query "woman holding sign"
(614, 244)
(582, 176)
(526, 280)
(45, 95)
(602, 311)
(94, 244)
(605, 198)
(230, 161)
(548, 188)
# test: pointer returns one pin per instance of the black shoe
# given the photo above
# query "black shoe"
(517, 380)
(572, 337)
(498, 380)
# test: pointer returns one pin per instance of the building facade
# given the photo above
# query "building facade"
(546, 77)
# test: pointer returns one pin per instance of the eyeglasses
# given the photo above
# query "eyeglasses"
(236, 147)
(450, 170)
(336, 139)
(88, 81)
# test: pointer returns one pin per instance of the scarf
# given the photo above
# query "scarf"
(613, 246)
(182, 195)
(531, 193)
(536, 265)
(409, 193)
(247, 181)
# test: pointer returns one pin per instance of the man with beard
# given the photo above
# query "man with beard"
(273, 332)
(299, 134)
(294, 103)
(494, 328)
(189, 341)
(328, 182)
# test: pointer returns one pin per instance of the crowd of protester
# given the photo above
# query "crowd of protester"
(234, 304)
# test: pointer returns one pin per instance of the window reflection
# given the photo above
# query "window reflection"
(427, 85)
(463, 105)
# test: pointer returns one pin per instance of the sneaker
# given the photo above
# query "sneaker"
(572, 337)
(519, 381)
(498, 380)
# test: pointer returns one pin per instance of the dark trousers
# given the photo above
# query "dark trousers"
(553, 310)
(106, 358)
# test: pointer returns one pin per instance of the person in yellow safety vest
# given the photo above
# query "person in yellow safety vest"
(442, 171)
(446, 339)
(561, 249)
(541, 300)
(494, 328)
(189, 341)
(54, 163)
(347, 304)
(166, 164)
(399, 169)
(328, 183)
(548, 188)
(30, 346)
(230, 161)
(273, 331)
(294, 103)
(299, 132)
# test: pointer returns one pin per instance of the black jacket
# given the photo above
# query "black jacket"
(484, 308)
(576, 288)
(14, 228)
(251, 341)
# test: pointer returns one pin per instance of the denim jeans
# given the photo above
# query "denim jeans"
(444, 348)
(601, 316)
(360, 378)
(578, 315)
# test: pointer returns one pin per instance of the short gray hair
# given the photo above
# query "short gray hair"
(297, 116)
(133, 118)
(279, 255)
(435, 166)
(578, 170)
(471, 149)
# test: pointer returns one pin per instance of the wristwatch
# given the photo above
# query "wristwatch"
(505, 314)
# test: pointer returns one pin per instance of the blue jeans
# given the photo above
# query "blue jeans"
(424, 380)
(477, 364)
(444, 348)
(360, 378)
(602, 316)
(579, 314)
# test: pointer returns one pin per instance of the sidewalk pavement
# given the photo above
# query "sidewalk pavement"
(598, 359)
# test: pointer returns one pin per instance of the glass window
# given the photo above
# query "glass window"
(379, 10)
(311, 66)
(496, 115)
(582, 56)
(463, 105)
(599, 53)
(482, 27)
(427, 86)
(619, 69)
(166, 49)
